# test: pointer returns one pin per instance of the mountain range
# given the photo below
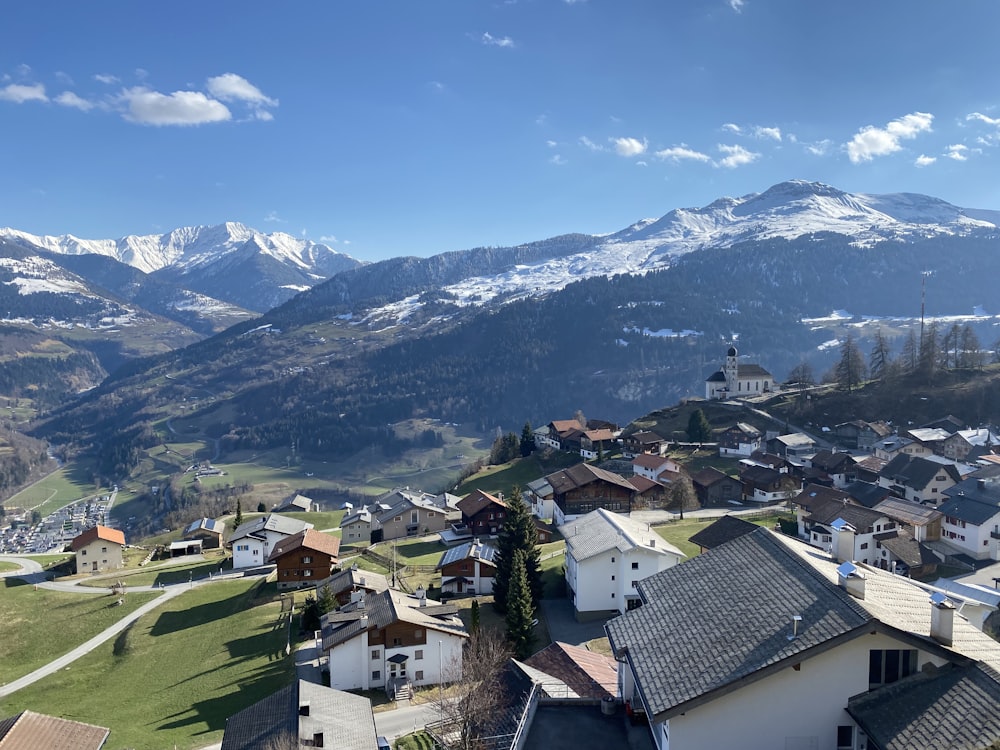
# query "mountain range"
(618, 324)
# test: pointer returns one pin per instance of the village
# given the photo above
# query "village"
(836, 580)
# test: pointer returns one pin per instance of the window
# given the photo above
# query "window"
(104, 550)
(375, 653)
(612, 594)
(418, 654)
(396, 642)
(635, 584)
(398, 518)
(307, 559)
(418, 633)
(376, 675)
(612, 559)
(83, 553)
(845, 737)
(414, 516)
(886, 666)
(635, 566)
(612, 578)
(419, 675)
(864, 546)
(307, 573)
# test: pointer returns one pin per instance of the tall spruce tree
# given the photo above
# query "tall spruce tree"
(699, 430)
(520, 614)
(238, 521)
(527, 440)
(517, 533)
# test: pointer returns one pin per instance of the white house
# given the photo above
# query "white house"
(391, 641)
(607, 554)
(920, 479)
(468, 568)
(738, 381)
(653, 466)
(971, 520)
(764, 642)
(541, 497)
(253, 541)
(741, 439)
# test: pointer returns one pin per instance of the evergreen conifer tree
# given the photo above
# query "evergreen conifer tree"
(520, 611)
(474, 614)
(238, 521)
(517, 533)
(699, 429)
(527, 440)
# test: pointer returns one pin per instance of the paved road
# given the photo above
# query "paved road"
(400, 721)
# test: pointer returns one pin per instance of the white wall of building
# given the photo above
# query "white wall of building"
(604, 582)
(354, 664)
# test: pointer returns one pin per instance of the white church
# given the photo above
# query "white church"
(738, 381)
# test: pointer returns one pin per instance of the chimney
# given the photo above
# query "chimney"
(796, 621)
(851, 579)
(942, 618)
(843, 540)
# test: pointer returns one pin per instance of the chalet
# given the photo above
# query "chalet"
(539, 495)
(468, 568)
(966, 445)
(208, 530)
(606, 555)
(819, 510)
(644, 441)
(28, 730)
(564, 434)
(860, 434)
(253, 541)
(771, 460)
(387, 642)
(714, 488)
(412, 513)
(922, 522)
(893, 446)
(304, 558)
(303, 714)
(804, 651)
(837, 466)
(764, 485)
(971, 512)
(597, 443)
(543, 530)
(793, 445)
(741, 439)
(298, 504)
(738, 381)
(917, 478)
(653, 466)
(482, 513)
(648, 494)
(868, 468)
(583, 488)
(720, 531)
(352, 583)
(949, 424)
(98, 549)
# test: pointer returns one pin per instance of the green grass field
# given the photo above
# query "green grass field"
(504, 477)
(60, 488)
(174, 677)
(678, 532)
(39, 625)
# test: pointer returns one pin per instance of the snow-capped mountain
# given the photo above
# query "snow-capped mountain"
(230, 261)
(788, 210)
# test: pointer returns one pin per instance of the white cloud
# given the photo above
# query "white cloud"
(819, 148)
(273, 216)
(629, 146)
(105, 78)
(735, 156)
(871, 141)
(69, 99)
(759, 132)
(437, 85)
(148, 107)
(957, 152)
(983, 118)
(63, 77)
(557, 159)
(737, 5)
(763, 132)
(496, 41)
(925, 161)
(20, 93)
(732, 127)
(551, 144)
(681, 153)
(587, 143)
(641, 163)
(328, 238)
(230, 87)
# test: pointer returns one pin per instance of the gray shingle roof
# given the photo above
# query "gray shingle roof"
(601, 530)
(723, 628)
(915, 471)
(721, 531)
(271, 522)
(866, 493)
(953, 707)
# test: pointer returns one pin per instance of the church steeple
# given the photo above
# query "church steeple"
(732, 367)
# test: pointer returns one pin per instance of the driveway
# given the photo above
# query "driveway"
(563, 625)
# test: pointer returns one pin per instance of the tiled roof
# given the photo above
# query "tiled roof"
(377, 611)
(587, 673)
(723, 616)
(832, 462)
(723, 530)
(645, 437)
(709, 476)
(581, 475)
(751, 371)
(601, 530)
(950, 707)
(342, 718)
(915, 471)
(814, 495)
(475, 550)
(643, 484)
(564, 425)
(32, 731)
(309, 539)
(904, 547)
(346, 580)
(650, 461)
(115, 536)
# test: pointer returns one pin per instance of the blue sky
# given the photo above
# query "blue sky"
(411, 127)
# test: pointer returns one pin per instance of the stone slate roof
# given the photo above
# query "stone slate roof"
(710, 476)
(297, 503)
(724, 616)
(115, 536)
(760, 476)
(908, 512)
(862, 519)
(345, 720)
(866, 493)
(308, 539)
(716, 377)
(271, 522)
(915, 472)
(33, 731)
(904, 547)
(474, 550)
(601, 530)
(832, 462)
(955, 707)
(378, 611)
(725, 529)
(587, 673)
(815, 495)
